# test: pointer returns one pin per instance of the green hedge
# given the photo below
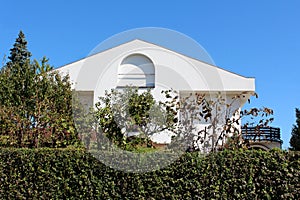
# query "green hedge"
(74, 174)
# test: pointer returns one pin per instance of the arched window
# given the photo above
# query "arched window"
(136, 70)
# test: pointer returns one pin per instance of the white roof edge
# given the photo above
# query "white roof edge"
(134, 40)
(81, 59)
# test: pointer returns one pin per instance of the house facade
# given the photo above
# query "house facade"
(149, 66)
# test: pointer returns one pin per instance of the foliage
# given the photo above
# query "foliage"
(19, 53)
(74, 174)
(123, 111)
(35, 102)
(295, 139)
(129, 117)
(221, 118)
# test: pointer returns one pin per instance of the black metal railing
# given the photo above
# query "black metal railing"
(257, 134)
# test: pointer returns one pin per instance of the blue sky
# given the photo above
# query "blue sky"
(258, 39)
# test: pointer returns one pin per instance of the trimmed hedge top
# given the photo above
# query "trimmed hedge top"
(75, 174)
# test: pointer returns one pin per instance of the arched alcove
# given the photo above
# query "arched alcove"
(136, 70)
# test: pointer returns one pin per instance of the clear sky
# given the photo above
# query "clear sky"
(258, 39)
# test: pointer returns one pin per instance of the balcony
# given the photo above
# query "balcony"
(261, 134)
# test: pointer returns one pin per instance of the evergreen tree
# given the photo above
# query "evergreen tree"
(19, 53)
(35, 102)
(19, 75)
(295, 139)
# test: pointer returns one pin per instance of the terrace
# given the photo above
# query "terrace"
(262, 135)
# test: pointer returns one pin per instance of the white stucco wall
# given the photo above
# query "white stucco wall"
(172, 70)
(97, 73)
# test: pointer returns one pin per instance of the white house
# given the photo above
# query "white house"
(146, 65)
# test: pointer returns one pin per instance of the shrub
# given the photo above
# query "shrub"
(75, 174)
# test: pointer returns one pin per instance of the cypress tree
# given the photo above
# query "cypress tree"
(295, 139)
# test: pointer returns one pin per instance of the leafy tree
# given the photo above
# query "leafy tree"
(120, 113)
(295, 139)
(222, 118)
(35, 102)
(129, 118)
